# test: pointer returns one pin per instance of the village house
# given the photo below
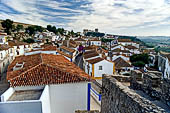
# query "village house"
(127, 42)
(3, 38)
(96, 67)
(164, 64)
(94, 41)
(68, 51)
(45, 83)
(5, 58)
(122, 65)
(81, 41)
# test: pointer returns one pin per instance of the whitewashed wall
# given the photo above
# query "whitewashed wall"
(107, 68)
(45, 100)
(5, 96)
(21, 107)
(66, 98)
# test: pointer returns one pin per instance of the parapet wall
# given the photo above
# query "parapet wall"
(117, 98)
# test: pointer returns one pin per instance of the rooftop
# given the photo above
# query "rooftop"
(124, 40)
(25, 95)
(119, 63)
(67, 49)
(42, 69)
(96, 60)
(90, 55)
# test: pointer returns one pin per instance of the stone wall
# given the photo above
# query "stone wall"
(117, 98)
(122, 78)
(152, 85)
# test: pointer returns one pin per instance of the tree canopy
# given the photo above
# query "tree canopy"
(32, 29)
(139, 60)
(7, 24)
(19, 27)
(94, 34)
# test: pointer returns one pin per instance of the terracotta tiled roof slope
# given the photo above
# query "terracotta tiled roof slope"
(96, 60)
(49, 48)
(68, 49)
(42, 69)
(119, 63)
(90, 55)
(64, 54)
(72, 43)
(124, 40)
(16, 43)
(119, 50)
(131, 47)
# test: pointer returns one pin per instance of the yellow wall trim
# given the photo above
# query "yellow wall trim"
(92, 70)
(97, 78)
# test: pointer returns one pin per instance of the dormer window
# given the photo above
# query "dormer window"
(18, 66)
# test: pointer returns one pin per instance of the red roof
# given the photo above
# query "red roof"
(96, 60)
(42, 69)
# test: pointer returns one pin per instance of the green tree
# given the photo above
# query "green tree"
(52, 29)
(7, 24)
(29, 40)
(19, 27)
(139, 59)
(30, 30)
(72, 33)
(138, 64)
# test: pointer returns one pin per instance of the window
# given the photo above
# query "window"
(100, 67)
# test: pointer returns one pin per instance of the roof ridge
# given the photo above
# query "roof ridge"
(27, 71)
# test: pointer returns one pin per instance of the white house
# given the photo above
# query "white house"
(98, 66)
(126, 42)
(122, 65)
(167, 67)
(68, 51)
(6, 56)
(3, 38)
(81, 41)
(95, 41)
(44, 83)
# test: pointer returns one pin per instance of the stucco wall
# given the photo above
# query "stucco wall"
(107, 68)
(21, 107)
(66, 98)
(45, 100)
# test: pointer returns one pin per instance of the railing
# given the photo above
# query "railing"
(96, 96)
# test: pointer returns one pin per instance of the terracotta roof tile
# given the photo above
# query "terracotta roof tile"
(124, 40)
(119, 50)
(64, 54)
(42, 69)
(131, 47)
(119, 63)
(90, 55)
(68, 49)
(96, 60)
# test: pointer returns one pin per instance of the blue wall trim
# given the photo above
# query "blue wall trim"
(88, 97)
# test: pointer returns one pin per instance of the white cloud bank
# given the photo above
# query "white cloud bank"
(128, 17)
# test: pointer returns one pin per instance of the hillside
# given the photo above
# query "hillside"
(16, 23)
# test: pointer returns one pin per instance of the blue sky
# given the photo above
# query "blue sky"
(125, 17)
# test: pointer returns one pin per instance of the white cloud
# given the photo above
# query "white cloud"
(113, 16)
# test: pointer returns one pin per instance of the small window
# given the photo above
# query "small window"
(100, 67)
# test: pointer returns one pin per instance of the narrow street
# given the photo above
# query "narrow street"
(4, 85)
(79, 61)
